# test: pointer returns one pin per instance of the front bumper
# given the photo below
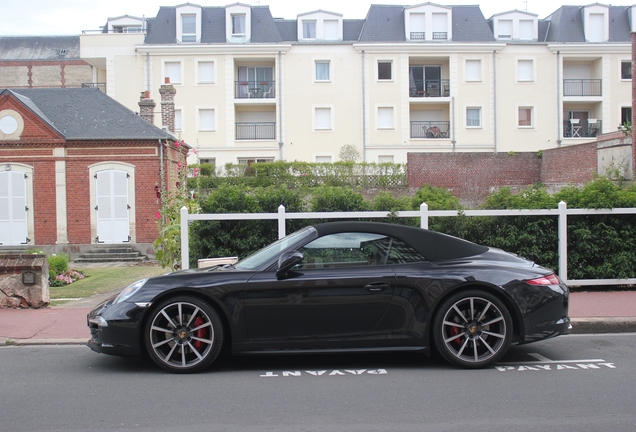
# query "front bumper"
(116, 328)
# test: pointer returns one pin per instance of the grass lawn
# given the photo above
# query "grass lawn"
(104, 279)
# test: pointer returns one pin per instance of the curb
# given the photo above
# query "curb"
(591, 325)
(25, 342)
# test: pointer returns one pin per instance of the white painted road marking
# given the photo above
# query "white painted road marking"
(544, 363)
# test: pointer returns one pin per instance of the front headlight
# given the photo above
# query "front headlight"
(129, 291)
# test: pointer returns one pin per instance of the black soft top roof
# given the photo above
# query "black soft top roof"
(433, 245)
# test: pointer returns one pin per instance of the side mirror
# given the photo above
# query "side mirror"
(286, 261)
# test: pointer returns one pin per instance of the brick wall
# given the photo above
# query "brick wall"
(473, 175)
(572, 164)
(44, 73)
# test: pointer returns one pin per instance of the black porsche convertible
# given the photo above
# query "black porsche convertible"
(339, 287)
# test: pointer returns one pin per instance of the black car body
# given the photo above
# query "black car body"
(337, 287)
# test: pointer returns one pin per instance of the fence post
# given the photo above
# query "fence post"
(281, 221)
(185, 253)
(563, 241)
(424, 216)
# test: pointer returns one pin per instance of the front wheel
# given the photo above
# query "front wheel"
(183, 334)
(472, 329)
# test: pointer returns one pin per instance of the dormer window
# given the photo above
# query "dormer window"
(428, 22)
(238, 25)
(309, 29)
(516, 25)
(504, 29)
(319, 26)
(125, 24)
(189, 28)
(596, 23)
(188, 23)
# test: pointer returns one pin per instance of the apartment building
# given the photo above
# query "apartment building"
(414, 78)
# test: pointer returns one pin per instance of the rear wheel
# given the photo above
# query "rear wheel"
(472, 329)
(183, 334)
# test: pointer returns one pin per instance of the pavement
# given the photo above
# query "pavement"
(590, 312)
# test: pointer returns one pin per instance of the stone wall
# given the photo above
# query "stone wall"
(24, 281)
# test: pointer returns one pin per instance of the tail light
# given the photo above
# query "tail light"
(550, 279)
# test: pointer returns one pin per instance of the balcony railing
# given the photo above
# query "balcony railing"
(440, 35)
(582, 87)
(100, 86)
(418, 35)
(255, 130)
(583, 129)
(430, 129)
(429, 88)
(254, 89)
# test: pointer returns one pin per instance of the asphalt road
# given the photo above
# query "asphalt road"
(572, 383)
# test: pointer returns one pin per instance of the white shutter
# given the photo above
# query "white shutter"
(113, 224)
(526, 29)
(323, 118)
(473, 70)
(385, 118)
(206, 120)
(504, 29)
(173, 71)
(525, 70)
(13, 213)
(331, 30)
(206, 72)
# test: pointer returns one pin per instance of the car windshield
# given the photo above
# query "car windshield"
(257, 259)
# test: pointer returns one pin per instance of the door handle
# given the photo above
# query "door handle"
(377, 286)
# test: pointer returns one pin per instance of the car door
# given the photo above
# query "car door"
(340, 290)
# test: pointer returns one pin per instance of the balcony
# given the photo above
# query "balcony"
(255, 130)
(100, 86)
(440, 35)
(582, 87)
(254, 89)
(582, 129)
(418, 36)
(429, 88)
(430, 129)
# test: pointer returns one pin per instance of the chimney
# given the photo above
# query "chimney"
(147, 107)
(167, 92)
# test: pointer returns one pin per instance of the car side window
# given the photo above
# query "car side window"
(401, 253)
(350, 249)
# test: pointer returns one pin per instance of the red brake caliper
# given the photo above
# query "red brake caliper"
(200, 333)
(454, 331)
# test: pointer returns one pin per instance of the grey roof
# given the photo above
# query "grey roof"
(288, 30)
(352, 29)
(566, 25)
(86, 114)
(39, 48)
(264, 28)
(385, 23)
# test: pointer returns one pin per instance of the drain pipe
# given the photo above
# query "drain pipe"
(148, 71)
(364, 114)
(280, 107)
(453, 136)
(494, 84)
(162, 178)
(559, 109)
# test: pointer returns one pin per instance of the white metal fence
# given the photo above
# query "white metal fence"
(424, 213)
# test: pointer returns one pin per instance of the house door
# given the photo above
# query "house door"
(113, 223)
(13, 208)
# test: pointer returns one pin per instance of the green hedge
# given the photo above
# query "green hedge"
(601, 246)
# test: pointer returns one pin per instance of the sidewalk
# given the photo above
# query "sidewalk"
(591, 312)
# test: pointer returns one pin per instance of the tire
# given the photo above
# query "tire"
(183, 334)
(472, 329)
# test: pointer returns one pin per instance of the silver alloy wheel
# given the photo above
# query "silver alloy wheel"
(181, 335)
(474, 330)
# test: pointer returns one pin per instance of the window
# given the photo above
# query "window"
(250, 161)
(596, 32)
(626, 70)
(309, 29)
(207, 120)
(385, 159)
(440, 26)
(322, 119)
(323, 159)
(473, 70)
(188, 28)
(525, 117)
(206, 72)
(238, 24)
(525, 70)
(385, 118)
(172, 70)
(417, 22)
(331, 30)
(178, 119)
(384, 70)
(473, 117)
(504, 29)
(526, 29)
(626, 115)
(322, 70)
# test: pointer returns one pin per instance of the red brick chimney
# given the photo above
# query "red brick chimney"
(167, 92)
(147, 107)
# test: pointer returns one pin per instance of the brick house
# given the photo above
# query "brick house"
(77, 168)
